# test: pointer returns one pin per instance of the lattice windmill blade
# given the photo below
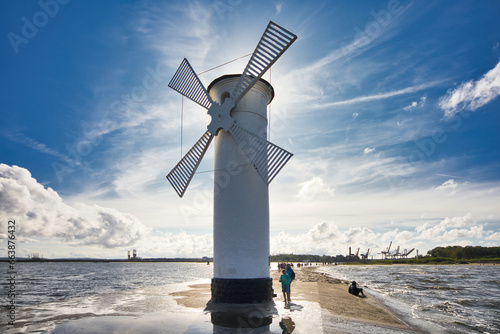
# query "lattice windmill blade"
(186, 82)
(180, 176)
(268, 159)
(271, 46)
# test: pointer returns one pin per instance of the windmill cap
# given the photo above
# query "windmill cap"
(228, 76)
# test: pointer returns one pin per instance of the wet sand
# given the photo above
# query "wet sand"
(320, 304)
(339, 309)
(333, 297)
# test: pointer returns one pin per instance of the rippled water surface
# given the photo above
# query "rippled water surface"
(465, 297)
(42, 282)
(454, 299)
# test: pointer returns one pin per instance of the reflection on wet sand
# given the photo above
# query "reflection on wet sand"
(257, 316)
(287, 325)
(318, 306)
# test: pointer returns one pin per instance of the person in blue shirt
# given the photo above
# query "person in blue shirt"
(291, 273)
(285, 286)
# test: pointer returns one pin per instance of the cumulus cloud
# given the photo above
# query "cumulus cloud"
(327, 238)
(472, 95)
(494, 236)
(41, 212)
(450, 229)
(313, 188)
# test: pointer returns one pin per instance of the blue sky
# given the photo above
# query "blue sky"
(391, 109)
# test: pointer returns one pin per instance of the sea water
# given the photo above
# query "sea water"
(43, 282)
(456, 298)
(451, 298)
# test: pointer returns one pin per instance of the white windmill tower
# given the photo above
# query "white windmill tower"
(245, 164)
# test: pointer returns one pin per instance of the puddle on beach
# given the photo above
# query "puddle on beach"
(260, 319)
(197, 321)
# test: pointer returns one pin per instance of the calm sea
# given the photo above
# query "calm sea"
(453, 299)
(456, 298)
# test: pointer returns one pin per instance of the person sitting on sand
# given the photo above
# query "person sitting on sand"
(285, 286)
(354, 290)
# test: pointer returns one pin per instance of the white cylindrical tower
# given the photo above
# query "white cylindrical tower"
(241, 202)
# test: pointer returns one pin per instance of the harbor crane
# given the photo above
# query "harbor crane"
(365, 256)
(386, 252)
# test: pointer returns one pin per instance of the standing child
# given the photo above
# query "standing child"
(285, 286)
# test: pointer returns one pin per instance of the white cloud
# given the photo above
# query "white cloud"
(328, 238)
(375, 97)
(451, 229)
(159, 244)
(416, 104)
(43, 215)
(279, 7)
(313, 188)
(368, 150)
(448, 186)
(35, 145)
(413, 105)
(494, 236)
(472, 95)
(41, 212)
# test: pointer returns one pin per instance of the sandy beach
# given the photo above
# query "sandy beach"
(339, 311)
(320, 304)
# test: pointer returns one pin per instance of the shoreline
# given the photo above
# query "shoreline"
(338, 310)
(335, 301)
(320, 304)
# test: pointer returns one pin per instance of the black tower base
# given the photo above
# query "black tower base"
(242, 291)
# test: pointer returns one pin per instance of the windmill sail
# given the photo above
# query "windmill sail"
(182, 174)
(268, 159)
(272, 45)
(186, 82)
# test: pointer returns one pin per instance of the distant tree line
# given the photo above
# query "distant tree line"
(467, 252)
